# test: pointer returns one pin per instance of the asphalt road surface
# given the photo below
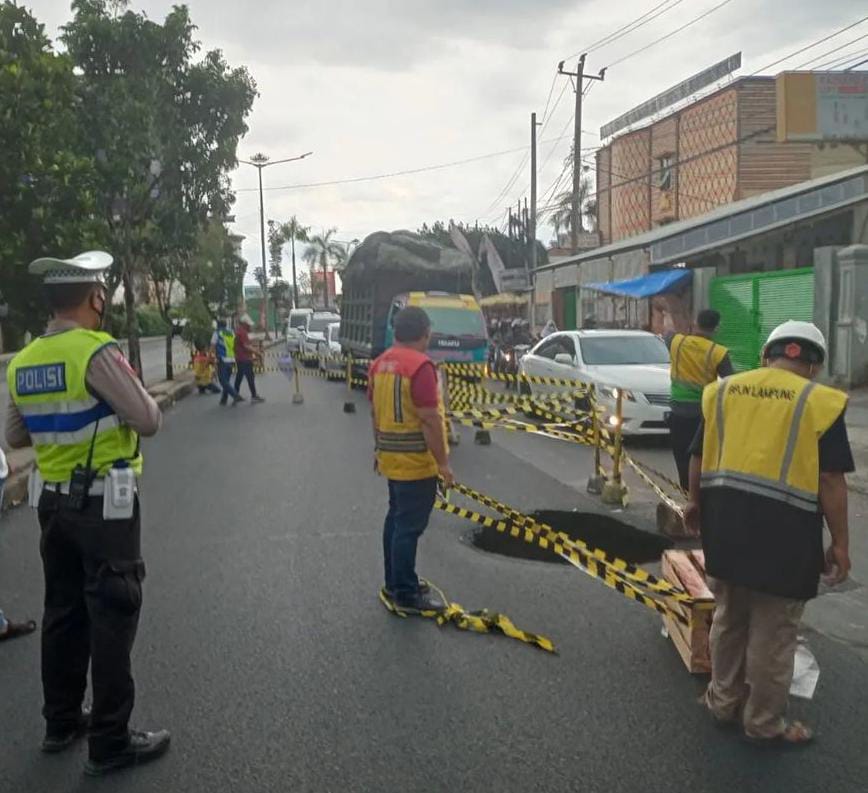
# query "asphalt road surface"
(264, 649)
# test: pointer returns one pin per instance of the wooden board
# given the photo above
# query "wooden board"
(691, 641)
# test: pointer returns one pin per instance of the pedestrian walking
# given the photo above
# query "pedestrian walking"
(696, 361)
(223, 350)
(245, 355)
(768, 465)
(78, 402)
(411, 452)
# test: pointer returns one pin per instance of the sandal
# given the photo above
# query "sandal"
(795, 735)
(16, 629)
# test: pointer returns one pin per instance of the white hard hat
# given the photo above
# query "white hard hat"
(245, 319)
(85, 268)
(796, 330)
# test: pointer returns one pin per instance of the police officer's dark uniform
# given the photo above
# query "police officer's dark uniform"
(74, 397)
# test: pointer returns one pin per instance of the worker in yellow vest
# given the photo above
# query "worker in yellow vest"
(411, 452)
(78, 402)
(768, 466)
(696, 361)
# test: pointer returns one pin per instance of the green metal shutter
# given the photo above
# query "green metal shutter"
(569, 295)
(751, 306)
(733, 297)
(782, 296)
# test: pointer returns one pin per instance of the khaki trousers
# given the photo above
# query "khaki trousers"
(753, 645)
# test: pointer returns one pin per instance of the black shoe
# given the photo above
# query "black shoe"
(237, 399)
(422, 602)
(53, 743)
(257, 399)
(142, 748)
(424, 589)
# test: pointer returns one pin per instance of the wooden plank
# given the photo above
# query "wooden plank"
(689, 576)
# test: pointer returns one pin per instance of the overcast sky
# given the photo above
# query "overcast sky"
(376, 86)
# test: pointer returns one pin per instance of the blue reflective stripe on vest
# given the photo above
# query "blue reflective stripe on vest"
(67, 422)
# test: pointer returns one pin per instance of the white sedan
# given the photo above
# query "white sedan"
(632, 361)
(329, 352)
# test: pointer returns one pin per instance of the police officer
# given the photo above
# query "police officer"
(696, 362)
(223, 350)
(768, 466)
(79, 403)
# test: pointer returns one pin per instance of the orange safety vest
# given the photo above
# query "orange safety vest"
(402, 453)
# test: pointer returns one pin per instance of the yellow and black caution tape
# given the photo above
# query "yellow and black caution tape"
(484, 372)
(483, 621)
(585, 562)
(633, 573)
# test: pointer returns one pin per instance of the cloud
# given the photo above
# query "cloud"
(374, 86)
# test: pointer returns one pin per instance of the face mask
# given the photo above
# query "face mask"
(100, 312)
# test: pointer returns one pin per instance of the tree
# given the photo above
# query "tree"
(215, 272)
(164, 129)
(561, 215)
(294, 231)
(47, 171)
(322, 250)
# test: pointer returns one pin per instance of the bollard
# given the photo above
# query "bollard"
(349, 405)
(297, 397)
(597, 481)
(451, 436)
(614, 491)
(482, 438)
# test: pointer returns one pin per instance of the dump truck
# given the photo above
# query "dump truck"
(391, 270)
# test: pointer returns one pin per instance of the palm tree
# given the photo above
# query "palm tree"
(322, 249)
(292, 230)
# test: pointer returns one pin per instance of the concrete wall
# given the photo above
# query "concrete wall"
(603, 308)
(542, 296)
(850, 347)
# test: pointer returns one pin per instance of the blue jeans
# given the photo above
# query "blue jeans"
(410, 505)
(224, 373)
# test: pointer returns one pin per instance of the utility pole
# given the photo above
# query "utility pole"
(580, 76)
(531, 270)
(260, 161)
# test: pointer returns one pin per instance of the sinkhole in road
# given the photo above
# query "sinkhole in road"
(616, 538)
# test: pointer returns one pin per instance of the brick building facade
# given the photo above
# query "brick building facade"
(720, 149)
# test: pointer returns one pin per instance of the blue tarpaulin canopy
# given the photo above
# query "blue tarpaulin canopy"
(647, 285)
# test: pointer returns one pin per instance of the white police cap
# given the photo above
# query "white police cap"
(86, 268)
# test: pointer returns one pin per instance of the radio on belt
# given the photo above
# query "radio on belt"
(120, 492)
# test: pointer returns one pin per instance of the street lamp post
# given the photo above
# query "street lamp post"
(260, 161)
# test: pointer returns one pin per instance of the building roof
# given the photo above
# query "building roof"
(739, 220)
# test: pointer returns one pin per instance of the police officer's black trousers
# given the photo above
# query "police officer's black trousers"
(93, 593)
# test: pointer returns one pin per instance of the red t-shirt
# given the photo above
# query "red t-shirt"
(243, 351)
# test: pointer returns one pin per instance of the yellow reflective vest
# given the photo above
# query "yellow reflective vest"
(48, 383)
(695, 360)
(402, 453)
(762, 432)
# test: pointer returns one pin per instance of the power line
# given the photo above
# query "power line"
(810, 46)
(669, 35)
(635, 24)
(832, 51)
(850, 68)
(838, 62)
(406, 172)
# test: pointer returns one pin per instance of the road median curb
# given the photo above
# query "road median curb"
(166, 393)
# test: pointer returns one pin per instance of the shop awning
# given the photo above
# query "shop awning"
(647, 285)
